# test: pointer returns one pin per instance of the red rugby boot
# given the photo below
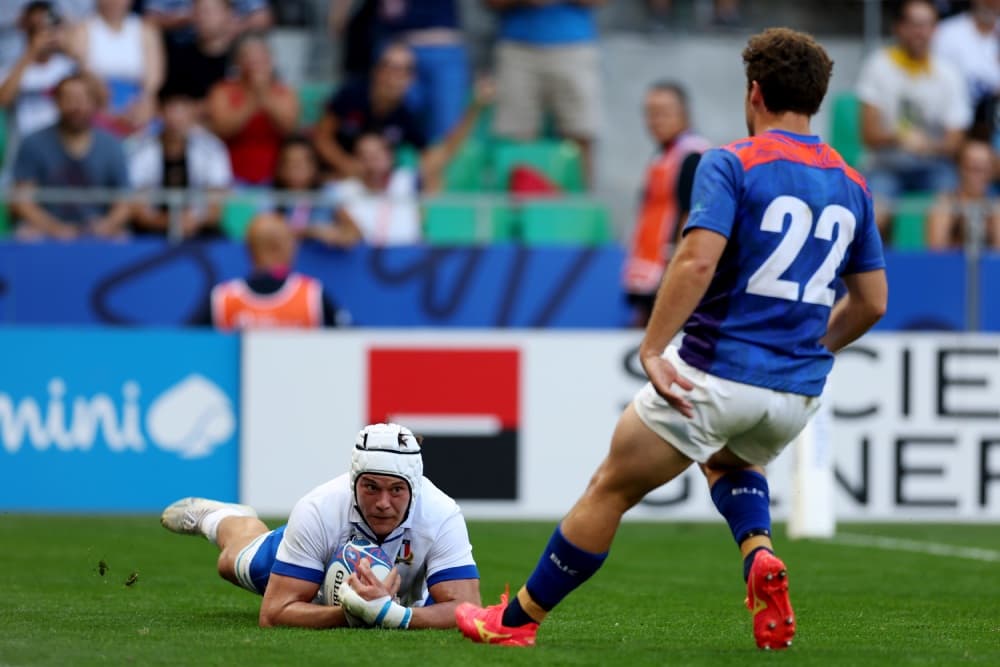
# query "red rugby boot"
(768, 602)
(485, 626)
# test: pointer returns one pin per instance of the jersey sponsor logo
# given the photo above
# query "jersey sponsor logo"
(190, 418)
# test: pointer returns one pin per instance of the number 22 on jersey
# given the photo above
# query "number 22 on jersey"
(767, 280)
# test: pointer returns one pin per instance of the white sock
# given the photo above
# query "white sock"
(210, 524)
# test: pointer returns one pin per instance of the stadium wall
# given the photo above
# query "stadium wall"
(150, 283)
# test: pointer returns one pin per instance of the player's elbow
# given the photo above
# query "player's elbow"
(700, 269)
(872, 309)
(268, 617)
(876, 310)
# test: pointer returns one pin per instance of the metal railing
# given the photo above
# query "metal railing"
(247, 202)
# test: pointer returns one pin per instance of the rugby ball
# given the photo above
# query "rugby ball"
(345, 560)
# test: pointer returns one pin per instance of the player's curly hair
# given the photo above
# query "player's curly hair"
(793, 70)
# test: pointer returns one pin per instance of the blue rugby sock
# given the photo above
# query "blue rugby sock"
(742, 498)
(561, 569)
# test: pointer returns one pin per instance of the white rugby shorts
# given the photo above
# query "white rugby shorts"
(754, 423)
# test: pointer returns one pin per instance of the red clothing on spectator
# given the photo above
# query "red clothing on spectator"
(253, 150)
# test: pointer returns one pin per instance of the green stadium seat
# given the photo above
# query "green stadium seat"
(3, 136)
(482, 131)
(467, 170)
(237, 212)
(559, 160)
(909, 220)
(564, 223)
(312, 101)
(458, 223)
(5, 229)
(845, 129)
(408, 156)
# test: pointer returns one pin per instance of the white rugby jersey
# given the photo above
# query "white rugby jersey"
(431, 546)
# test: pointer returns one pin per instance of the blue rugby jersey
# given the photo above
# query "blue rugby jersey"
(796, 217)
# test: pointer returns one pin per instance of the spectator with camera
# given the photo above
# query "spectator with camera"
(72, 153)
(12, 38)
(26, 86)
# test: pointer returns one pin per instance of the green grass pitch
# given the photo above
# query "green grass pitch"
(670, 594)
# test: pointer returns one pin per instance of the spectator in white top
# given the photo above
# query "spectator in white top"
(127, 55)
(185, 156)
(26, 86)
(384, 201)
(914, 111)
(309, 207)
(971, 42)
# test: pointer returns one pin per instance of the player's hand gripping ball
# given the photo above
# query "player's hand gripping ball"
(345, 561)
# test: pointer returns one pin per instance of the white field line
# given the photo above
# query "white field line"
(917, 546)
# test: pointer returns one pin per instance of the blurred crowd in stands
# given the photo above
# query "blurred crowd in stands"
(168, 96)
(184, 94)
(928, 106)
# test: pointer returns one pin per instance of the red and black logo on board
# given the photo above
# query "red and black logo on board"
(464, 402)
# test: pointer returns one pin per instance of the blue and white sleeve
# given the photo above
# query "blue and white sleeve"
(450, 557)
(302, 550)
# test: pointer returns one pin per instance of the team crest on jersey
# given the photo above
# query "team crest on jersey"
(405, 554)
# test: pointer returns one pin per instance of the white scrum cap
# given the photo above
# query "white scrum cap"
(388, 449)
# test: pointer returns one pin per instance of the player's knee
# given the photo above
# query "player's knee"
(226, 566)
(612, 489)
(723, 462)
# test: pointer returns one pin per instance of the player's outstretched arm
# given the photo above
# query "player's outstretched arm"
(288, 601)
(864, 305)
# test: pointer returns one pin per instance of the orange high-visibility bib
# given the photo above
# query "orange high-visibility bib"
(299, 303)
